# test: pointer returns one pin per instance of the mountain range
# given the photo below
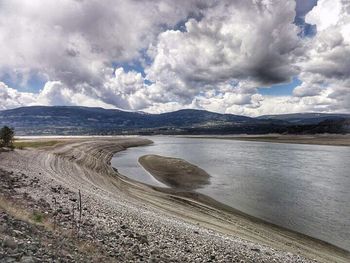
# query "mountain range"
(75, 120)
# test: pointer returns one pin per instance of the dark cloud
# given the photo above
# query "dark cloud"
(227, 46)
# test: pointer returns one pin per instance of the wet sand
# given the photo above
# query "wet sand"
(85, 164)
(175, 172)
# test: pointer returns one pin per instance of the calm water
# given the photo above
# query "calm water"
(305, 188)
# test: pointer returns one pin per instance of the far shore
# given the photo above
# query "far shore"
(314, 139)
(318, 139)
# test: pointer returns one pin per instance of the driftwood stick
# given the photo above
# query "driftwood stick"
(73, 208)
(55, 214)
(80, 208)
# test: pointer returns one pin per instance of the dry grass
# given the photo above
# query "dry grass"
(21, 214)
(34, 144)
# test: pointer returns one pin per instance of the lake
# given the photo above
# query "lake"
(305, 188)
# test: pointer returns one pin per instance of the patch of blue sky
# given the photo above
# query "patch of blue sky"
(133, 66)
(130, 66)
(137, 65)
(33, 84)
(147, 82)
(302, 8)
(285, 89)
(181, 25)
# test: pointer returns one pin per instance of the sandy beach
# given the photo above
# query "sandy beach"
(178, 226)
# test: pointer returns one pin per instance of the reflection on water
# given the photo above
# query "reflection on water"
(302, 187)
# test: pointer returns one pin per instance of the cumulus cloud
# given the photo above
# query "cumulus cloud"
(210, 55)
(56, 93)
(11, 98)
(326, 71)
(74, 41)
(240, 41)
(330, 9)
(217, 62)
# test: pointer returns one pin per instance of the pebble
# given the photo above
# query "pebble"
(9, 242)
(27, 259)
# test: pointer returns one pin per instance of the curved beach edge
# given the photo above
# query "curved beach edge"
(84, 164)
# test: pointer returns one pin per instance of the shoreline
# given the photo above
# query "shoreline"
(85, 164)
(318, 139)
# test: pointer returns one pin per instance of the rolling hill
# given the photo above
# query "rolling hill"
(73, 120)
(306, 118)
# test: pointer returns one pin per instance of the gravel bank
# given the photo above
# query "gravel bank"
(130, 222)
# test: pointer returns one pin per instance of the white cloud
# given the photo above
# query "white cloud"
(236, 41)
(56, 93)
(11, 98)
(326, 69)
(216, 61)
(73, 41)
(325, 14)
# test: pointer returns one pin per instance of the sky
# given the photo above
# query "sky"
(247, 57)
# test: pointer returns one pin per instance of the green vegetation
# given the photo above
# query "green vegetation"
(33, 144)
(6, 137)
(38, 217)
